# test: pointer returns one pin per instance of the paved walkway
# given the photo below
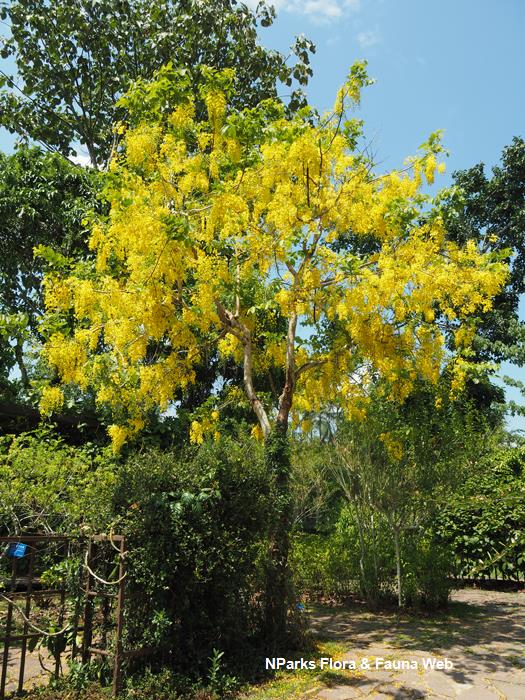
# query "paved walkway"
(34, 673)
(483, 637)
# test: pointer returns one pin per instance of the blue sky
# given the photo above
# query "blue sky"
(456, 65)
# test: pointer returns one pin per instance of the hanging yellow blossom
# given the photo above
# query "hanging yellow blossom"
(196, 433)
(51, 400)
(118, 436)
(221, 234)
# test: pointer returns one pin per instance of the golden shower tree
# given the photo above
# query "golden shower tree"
(219, 229)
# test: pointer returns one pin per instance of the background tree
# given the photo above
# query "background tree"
(43, 200)
(75, 59)
(215, 227)
(491, 212)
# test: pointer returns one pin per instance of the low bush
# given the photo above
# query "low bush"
(428, 568)
(63, 692)
(338, 564)
(322, 565)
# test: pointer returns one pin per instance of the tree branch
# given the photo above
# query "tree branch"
(286, 398)
(308, 365)
(240, 331)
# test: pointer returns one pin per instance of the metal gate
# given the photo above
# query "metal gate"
(84, 624)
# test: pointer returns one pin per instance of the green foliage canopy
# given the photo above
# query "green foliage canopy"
(48, 486)
(491, 211)
(43, 200)
(76, 58)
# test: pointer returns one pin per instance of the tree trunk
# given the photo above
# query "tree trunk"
(278, 464)
(398, 568)
(278, 588)
(374, 548)
(362, 553)
(19, 355)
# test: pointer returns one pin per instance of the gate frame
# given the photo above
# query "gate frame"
(90, 593)
(27, 596)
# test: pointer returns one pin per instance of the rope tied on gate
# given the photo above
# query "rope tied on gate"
(28, 622)
(101, 580)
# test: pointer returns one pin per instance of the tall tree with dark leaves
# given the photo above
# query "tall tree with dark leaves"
(74, 59)
(491, 211)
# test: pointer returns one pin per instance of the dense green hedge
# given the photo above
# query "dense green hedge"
(196, 530)
(484, 526)
(196, 523)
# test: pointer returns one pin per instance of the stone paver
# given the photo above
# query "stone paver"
(339, 693)
(34, 673)
(482, 635)
(378, 676)
(479, 693)
(395, 691)
(511, 691)
(438, 683)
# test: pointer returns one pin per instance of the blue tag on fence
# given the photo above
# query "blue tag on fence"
(17, 550)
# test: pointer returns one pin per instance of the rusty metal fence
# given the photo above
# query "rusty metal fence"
(19, 594)
(87, 622)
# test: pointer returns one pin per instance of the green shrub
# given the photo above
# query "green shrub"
(427, 572)
(334, 565)
(322, 565)
(337, 565)
(484, 525)
(46, 484)
(196, 526)
(148, 685)
(161, 686)
(372, 550)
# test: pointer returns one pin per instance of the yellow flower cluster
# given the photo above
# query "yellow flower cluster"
(203, 221)
(207, 426)
(51, 400)
(141, 145)
(393, 446)
(119, 435)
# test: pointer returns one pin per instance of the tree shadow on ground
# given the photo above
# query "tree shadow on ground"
(481, 632)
